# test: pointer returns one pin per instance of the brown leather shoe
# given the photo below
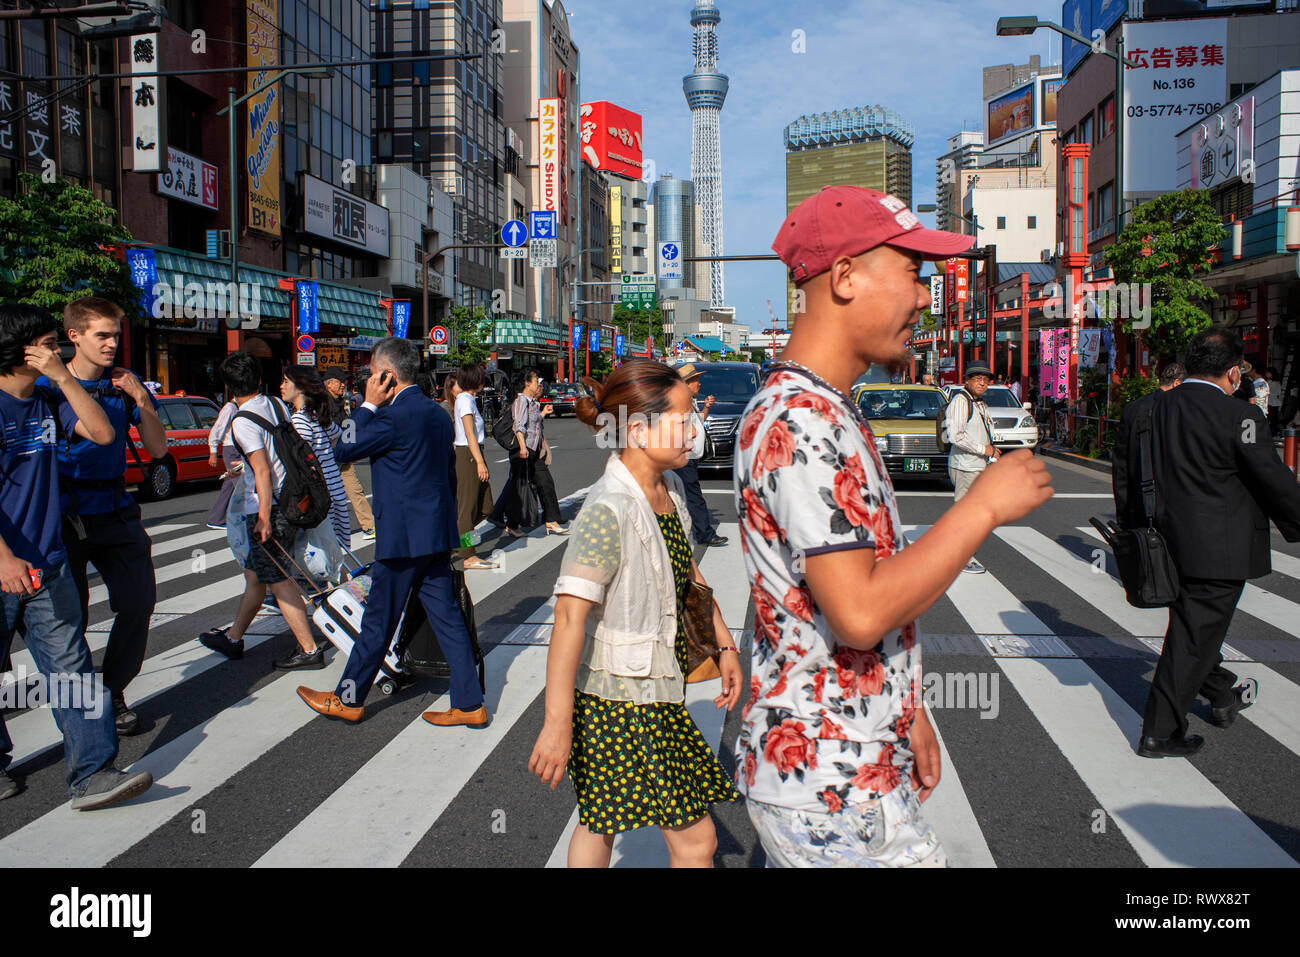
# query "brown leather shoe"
(328, 704)
(477, 718)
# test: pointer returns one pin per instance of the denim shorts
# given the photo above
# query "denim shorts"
(279, 546)
(889, 832)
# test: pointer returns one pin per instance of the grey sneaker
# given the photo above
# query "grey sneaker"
(8, 786)
(110, 786)
(974, 567)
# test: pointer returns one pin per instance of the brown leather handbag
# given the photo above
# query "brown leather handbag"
(702, 650)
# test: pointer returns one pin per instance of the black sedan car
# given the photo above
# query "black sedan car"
(563, 397)
(732, 385)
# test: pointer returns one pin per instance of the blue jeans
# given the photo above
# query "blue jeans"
(55, 635)
(392, 580)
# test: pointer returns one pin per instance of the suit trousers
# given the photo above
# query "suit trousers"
(392, 580)
(1191, 661)
(118, 546)
(702, 527)
(357, 496)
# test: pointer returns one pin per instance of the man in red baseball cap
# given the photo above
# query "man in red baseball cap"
(836, 750)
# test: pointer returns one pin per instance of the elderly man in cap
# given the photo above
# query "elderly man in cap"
(836, 750)
(340, 410)
(970, 435)
(706, 533)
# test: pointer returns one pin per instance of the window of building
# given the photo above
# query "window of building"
(1033, 222)
(1107, 113)
(1085, 129)
(1002, 222)
(1105, 205)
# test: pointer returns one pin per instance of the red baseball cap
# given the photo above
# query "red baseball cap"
(848, 221)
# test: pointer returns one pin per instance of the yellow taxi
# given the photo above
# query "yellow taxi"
(907, 423)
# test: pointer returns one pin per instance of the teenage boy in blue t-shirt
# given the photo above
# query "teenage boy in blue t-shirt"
(35, 582)
(101, 523)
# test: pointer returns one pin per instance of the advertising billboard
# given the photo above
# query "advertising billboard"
(1187, 8)
(549, 160)
(1011, 114)
(611, 138)
(1047, 99)
(1222, 147)
(616, 229)
(1106, 12)
(1076, 15)
(336, 214)
(262, 126)
(1181, 75)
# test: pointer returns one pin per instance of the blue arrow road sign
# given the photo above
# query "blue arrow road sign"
(514, 233)
(541, 224)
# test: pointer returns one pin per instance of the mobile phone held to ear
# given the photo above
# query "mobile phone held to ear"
(386, 377)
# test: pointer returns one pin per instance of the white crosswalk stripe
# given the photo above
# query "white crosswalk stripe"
(1162, 808)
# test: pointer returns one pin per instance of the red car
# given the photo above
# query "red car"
(187, 419)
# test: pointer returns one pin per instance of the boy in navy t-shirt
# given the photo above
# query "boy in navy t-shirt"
(35, 582)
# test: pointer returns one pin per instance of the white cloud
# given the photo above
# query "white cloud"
(921, 58)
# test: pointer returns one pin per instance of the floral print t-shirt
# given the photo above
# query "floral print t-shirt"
(826, 725)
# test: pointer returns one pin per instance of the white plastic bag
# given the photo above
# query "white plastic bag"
(236, 532)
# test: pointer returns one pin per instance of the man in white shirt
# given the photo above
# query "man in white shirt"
(270, 536)
(970, 435)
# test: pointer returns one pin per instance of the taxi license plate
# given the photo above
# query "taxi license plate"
(916, 465)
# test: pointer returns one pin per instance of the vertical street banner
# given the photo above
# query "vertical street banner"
(595, 341)
(262, 133)
(616, 230)
(143, 266)
(549, 157)
(401, 317)
(577, 337)
(308, 311)
(146, 112)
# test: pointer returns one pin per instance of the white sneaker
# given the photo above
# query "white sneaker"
(974, 567)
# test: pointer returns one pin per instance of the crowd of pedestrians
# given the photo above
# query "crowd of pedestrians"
(836, 754)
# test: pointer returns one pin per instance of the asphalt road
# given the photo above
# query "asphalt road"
(1040, 667)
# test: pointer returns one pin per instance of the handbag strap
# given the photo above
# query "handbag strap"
(1145, 473)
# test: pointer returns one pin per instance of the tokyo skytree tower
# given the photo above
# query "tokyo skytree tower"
(706, 90)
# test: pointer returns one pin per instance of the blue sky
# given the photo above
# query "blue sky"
(921, 57)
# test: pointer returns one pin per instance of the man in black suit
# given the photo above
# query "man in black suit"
(1218, 482)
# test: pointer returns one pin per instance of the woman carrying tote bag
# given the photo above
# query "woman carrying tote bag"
(615, 700)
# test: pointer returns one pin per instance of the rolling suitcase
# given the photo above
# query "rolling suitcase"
(417, 649)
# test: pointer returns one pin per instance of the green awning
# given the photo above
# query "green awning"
(339, 305)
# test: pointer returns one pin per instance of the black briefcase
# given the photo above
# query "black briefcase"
(418, 649)
(1146, 569)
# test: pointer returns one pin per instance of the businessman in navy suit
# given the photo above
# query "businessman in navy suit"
(408, 439)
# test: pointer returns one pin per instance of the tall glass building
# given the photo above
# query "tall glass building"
(443, 119)
(674, 205)
(325, 122)
(867, 146)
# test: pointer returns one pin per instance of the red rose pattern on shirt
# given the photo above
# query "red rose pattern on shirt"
(825, 724)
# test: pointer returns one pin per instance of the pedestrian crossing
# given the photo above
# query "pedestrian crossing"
(392, 790)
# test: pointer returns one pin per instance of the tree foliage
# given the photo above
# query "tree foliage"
(1166, 243)
(55, 242)
(471, 333)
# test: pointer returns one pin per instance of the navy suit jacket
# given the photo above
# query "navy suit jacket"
(413, 474)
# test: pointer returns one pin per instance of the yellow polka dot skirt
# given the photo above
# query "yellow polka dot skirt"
(641, 765)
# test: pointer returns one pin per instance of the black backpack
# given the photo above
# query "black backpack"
(305, 495)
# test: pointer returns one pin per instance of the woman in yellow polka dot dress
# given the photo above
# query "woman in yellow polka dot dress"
(615, 692)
